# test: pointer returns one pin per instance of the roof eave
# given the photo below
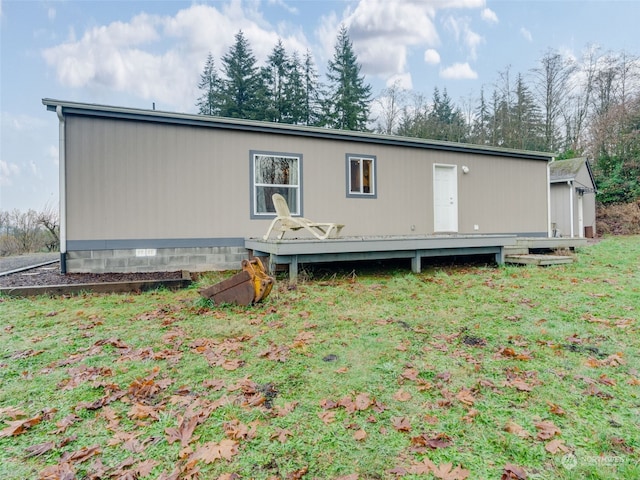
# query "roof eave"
(76, 108)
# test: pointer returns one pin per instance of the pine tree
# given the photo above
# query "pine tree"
(208, 102)
(311, 108)
(347, 103)
(275, 74)
(294, 92)
(480, 129)
(445, 120)
(242, 94)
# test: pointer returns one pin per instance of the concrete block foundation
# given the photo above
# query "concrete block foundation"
(198, 259)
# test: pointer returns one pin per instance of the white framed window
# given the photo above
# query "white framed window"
(275, 173)
(361, 176)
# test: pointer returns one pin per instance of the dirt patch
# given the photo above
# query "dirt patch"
(50, 275)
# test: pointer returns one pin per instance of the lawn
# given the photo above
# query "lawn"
(462, 371)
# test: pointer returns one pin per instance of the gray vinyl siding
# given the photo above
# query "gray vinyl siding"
(561, 212)
(129, 179)
(589, 199)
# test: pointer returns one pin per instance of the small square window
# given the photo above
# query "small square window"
(361, 176)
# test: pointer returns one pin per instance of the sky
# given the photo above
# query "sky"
(139, 53)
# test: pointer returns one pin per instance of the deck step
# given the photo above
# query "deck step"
(540, 260)
(515, 250)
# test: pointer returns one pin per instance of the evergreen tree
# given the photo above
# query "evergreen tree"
(347, 103)
(294, 92)
(208, 103)
(275, 74)
(481, 122)
(242, 94)
(445, 120)
(311, 107)
(526, 121)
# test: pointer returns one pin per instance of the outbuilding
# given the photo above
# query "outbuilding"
(145, 190)
(573, 198)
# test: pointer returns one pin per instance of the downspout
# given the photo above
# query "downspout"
(62, 174)
(549, 230)
(570, 183)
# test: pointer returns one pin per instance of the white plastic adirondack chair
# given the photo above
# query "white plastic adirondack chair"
(286, 222)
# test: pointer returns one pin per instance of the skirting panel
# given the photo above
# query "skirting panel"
(194, 259)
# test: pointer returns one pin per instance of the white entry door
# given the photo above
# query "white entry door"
(445, 198)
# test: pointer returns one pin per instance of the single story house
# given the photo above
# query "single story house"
(145, 190)
(573, 198)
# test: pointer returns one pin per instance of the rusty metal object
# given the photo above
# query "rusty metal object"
(251, 285)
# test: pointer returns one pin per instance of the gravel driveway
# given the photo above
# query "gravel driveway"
(20, 261)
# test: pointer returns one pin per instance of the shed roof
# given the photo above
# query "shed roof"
(157, 116)
(566, 170)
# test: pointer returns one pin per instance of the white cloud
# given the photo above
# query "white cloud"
(489, 16)
(7, 171)
(21, 122)
(284, 5)
(35, 170)
(161, 58)
(526, 34)
(459, 71)
(53, 154)
(51, 13)
(384, 32)
(431, 56)
(402, 80)
(462, 32)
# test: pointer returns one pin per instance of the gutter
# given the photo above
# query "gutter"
(62, 177)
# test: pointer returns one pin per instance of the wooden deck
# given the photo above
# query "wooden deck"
(293, 252)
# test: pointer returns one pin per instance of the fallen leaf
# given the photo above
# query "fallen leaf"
(516, 429)
(513, 472)
(555, 409)
(401, 424)
(606, 380)
(284, 410)
(425, 467)
(237, 430)
(466, 397)
(215, 385)
(327, 417)
(80, 455)
(144, 468)
(18, 427)
(546, 430)
(519, 384)
(440, 440)
(298, 474)
(446, 471)
(183, 432)
(360, 435)
(139, 411)
(12, 412)
(410, 374)
(212, 451)
(281, 434)
(40, 449)
(555, 446)
(363, 401)
(61, 471)
(402, 396)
